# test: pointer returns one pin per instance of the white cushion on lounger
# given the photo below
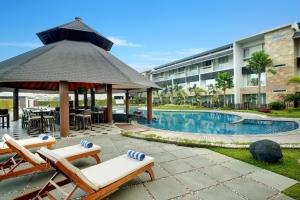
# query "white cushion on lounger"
(112, 170)
(49, 154)
(56, 158)
(74, 150)
(33, 157)
(28, 141)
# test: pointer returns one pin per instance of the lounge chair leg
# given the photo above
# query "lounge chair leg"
(151, 174)
(97, 158)
(43, 189)
(71, 192)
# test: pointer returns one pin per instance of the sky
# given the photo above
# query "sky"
(149, 33)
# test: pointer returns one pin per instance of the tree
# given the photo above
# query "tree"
(214, 93)
(224, 81)
(180, 93)
(295, 80)
(168, 92)
(258, 63)
(197, 93)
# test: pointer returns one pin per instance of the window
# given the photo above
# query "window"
(181, 70)
(172, 72)
(207, 63)
(252, 79)
(246, 53)
(250, 50)
(223, 60)
(251, 99)
(193, 68)
(209, 82)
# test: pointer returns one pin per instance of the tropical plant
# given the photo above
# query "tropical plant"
(180, 94)
(212, 90)
(277, 105)
(224, 81)
(295, 98)
(295, 80)
(197, 93)
(254, 81)
(258, 63)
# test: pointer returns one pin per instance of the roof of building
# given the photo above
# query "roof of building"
(75, 30)
(296, 34)
(72, 61)
(205, 53)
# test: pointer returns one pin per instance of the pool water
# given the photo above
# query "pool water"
(215, 123)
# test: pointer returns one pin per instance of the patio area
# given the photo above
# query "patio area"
(181, 172)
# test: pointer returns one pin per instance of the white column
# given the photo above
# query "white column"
(237, 68)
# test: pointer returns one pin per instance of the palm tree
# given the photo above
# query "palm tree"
(214, 93)
(295, 80)
(179, 92)
(224, 81)
(197, 93)
(168, 92)
(258, 63)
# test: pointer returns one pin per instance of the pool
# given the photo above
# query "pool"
(215, 123)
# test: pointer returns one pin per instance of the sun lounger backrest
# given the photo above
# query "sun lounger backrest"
(27, 155)
(7, 137)
(66, 167)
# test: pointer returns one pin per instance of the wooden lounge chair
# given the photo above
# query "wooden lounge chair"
(25, 162)
(97, 181)
(29, 143)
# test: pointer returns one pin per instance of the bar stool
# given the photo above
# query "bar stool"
(84, 120)
(4, 116)
(34, 122)
(49, 121)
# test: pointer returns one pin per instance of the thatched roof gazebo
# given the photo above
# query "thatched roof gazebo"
(73, 56)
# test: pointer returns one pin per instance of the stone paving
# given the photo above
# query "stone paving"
(181, 173)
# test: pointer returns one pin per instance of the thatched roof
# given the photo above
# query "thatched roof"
(82, 63)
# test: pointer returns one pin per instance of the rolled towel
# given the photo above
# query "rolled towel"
(86, 144)
(136, 155)
(43, 137)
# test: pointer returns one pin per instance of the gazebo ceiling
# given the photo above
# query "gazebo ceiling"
(78, 62)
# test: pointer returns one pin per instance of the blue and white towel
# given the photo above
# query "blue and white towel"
(43, 137)
(86, 144)
(136, 155)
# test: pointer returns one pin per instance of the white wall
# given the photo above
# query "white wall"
(238, 77)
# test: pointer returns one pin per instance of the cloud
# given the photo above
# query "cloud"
(121, 42)
(141, 67)
(20, 44)
(169, 56)
(191, 51)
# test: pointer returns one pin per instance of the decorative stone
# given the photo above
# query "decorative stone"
(266, 151)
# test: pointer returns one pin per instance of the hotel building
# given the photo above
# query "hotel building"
(282, 44)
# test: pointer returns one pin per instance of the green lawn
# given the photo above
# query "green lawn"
(292, 112)
(5, 104)
(289, 166)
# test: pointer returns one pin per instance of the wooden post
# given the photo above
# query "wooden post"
(92, 97)
(149, 104)
(127, 102)
(85, 99)
(64, 108)
(109, 103)
(16, 104)
(76, 99)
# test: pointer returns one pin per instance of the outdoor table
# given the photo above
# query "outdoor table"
(41, 113)
(98, 115)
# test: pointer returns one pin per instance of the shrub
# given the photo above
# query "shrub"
(277, 105)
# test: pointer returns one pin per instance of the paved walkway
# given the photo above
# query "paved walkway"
(181, 173)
